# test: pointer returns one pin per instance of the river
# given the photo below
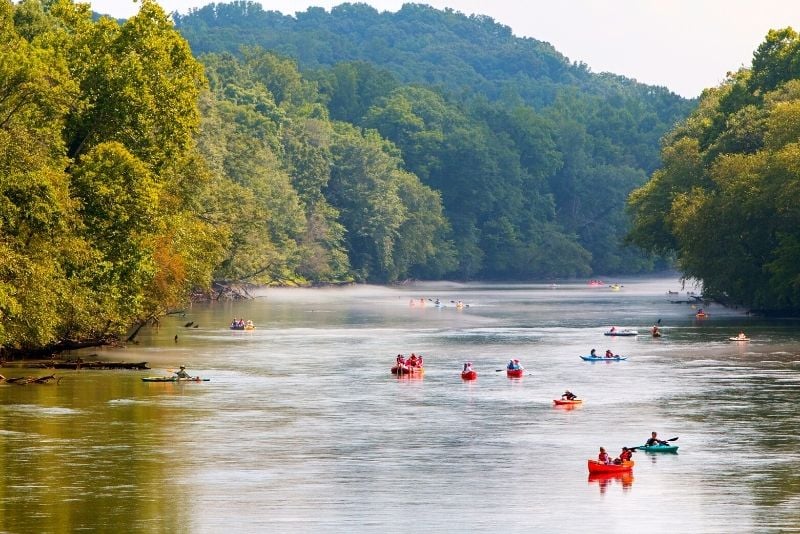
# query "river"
(303, 429)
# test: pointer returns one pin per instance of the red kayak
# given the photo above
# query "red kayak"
(563, 402)
(406, 370)
(515, 373)
(469, 375)
(599, 467)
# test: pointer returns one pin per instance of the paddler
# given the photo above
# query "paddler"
(624, 456)
(182, 372)
(653, 440)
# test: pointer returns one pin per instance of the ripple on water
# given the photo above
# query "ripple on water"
(33, 409)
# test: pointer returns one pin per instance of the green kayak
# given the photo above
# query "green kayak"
(657, 448)
(173, 379)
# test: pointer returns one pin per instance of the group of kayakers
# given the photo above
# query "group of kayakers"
(624, 456)
(514, 365)
(413, 361)
(459, 304)
(627, 453)
(241, 324)
(609, 354)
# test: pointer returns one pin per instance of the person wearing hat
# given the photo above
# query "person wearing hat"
(182, 372)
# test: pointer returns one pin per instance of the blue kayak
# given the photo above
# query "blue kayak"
(658, 448)
(603, 358)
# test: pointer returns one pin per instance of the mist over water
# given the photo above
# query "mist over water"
(303, 429)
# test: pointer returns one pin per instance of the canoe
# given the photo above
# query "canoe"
(515, 373)
(739, 338)
(622, 333)
(701, 315)
(658, 448)
(173, 379)
(416, 371)
(598, 467)
(564, 402)
(603, 358)
(469, 375)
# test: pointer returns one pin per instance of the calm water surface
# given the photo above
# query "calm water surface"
(303, 429)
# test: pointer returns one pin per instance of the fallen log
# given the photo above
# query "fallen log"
(22, 380)
(100, 365)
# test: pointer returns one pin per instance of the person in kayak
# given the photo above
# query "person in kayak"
(182, 372)
(467, 367)
(593, 353)
(568, 395)
(513, 365)
(654, 440)
(624, 456)
(603, 457)
(420, 363)
(413, 361)
(400, 361)
(609, 354)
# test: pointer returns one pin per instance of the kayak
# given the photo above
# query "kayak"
(515, 373)
(657, 448)
(701, 315)
(599, 467)
(564, 402)
(603, 358)
(469, 375)
(173, 379)
(621, 333)
(415, 371)
(739, 338)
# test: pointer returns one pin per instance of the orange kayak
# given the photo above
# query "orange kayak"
(469, 375)
(598, 467)
(562, 402)
(515, 373)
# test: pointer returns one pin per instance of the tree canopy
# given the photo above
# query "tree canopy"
(533, 156)
(726, 199)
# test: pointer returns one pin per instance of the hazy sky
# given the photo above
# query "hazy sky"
(685, 45)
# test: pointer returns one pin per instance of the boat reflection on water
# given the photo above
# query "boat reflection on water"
(604, 480)
(567, 407)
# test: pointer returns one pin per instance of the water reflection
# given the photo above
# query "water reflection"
(604, 480)
(285, 438)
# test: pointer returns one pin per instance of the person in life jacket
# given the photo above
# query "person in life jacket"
(603, 457)
(624, 456)
(609, 354)
(413, 361)
(419, 361)
(400, 360)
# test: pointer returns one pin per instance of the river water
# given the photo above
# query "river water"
(303, 429)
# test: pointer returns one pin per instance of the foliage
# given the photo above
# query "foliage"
(523, 146)
(98, 221)
(726, 197)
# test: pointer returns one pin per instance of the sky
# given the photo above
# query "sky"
(685, 45)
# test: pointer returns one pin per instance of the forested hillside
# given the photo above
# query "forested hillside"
(133, 173)
(727, 199)
(533, 156)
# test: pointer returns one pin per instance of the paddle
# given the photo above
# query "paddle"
(501, 370)
(661, 442)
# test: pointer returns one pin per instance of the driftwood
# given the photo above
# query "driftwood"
(22, 380)
(73, 364)
(79, 364)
